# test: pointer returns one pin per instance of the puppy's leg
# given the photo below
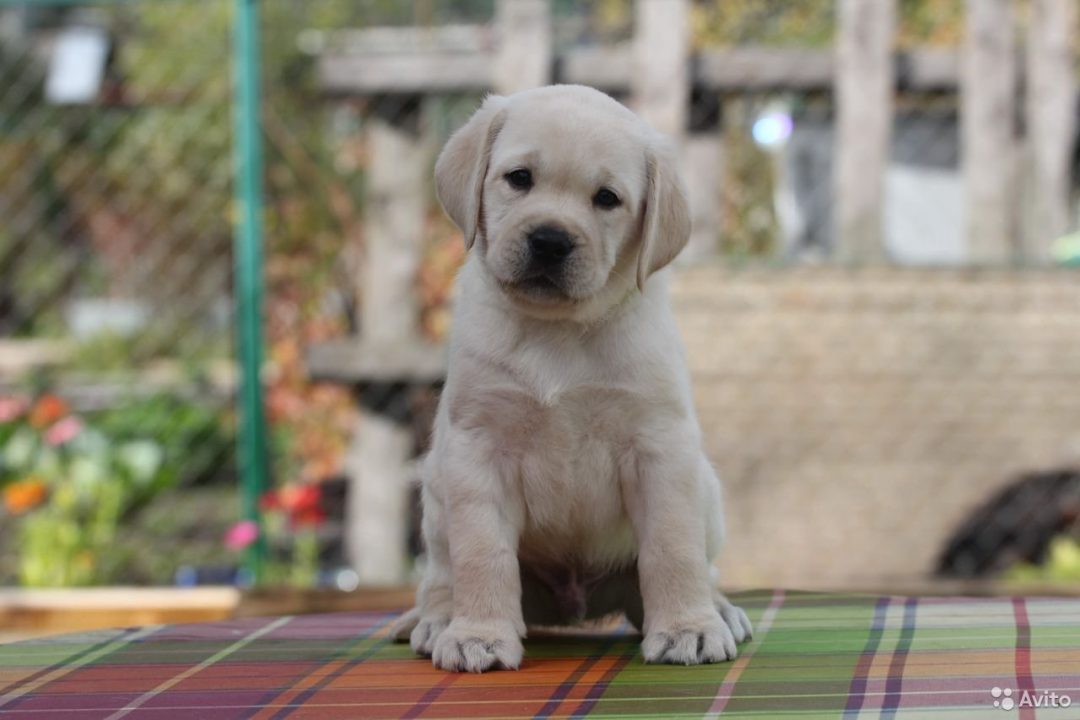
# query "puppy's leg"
(434, 598)
(733, 615)
(482, 529)
(663, 492)
(404, 625)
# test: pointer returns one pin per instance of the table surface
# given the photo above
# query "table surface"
(813, 656)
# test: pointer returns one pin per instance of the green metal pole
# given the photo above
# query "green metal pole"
(248, 254)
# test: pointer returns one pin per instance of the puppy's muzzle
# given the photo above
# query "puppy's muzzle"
(549, 246)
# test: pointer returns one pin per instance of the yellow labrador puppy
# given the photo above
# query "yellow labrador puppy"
(566, 479)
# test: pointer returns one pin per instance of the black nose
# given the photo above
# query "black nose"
(550, 244)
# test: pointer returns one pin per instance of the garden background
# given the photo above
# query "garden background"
(118, 355)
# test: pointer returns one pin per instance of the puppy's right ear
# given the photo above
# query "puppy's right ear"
(463, 165)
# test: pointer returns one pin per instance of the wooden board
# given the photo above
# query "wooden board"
(30, 612)
(353, 71)
(355, 361)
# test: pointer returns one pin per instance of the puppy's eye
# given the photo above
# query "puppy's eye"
(520, 179)
(606, 199)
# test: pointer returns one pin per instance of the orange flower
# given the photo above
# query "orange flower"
(24, 495)
(48, 410)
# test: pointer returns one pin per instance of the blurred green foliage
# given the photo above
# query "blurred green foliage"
(196, 441)
(764, 22)
(71, 481)
(183, 526)
(1061, 566)
(812, 23)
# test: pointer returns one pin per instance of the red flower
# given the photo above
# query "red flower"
(302, 503)
(270, 501)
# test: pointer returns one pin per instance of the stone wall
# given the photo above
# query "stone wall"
(857, 415)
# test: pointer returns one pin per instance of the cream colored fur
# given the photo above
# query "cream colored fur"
(566, 436)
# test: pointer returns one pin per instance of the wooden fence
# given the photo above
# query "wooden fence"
(1017, 184)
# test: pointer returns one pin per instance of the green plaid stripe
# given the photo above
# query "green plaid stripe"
(812, 656)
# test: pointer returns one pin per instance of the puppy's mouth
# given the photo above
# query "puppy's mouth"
(539, 287)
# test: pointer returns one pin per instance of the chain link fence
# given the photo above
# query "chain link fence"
(116, 299)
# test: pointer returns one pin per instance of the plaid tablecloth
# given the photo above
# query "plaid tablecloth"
(813, 656)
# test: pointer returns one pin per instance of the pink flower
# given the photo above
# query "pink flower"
(242, 534)
(63, 431)
(11, 408)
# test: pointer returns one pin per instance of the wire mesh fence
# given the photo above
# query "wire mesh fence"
(116, 258)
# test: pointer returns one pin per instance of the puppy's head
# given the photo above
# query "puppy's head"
(568, 197)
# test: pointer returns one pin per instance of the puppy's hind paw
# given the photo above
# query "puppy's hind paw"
(477, 647)
(692, 644)
(403, 626)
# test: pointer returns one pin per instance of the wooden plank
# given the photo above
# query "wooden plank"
(118, 598)
(757, 68)
(928, 69)
(523, 58)
(428, 72)
(987, 111)
(393, 40)
(604, 67)
(1051, 124)
(355, 361)
(28, 612)
(19, 356)
(90, 391)
(295, 601)
(762, 68)
(609, 68)
(865, 76)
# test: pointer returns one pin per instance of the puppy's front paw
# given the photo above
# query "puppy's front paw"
(737, 622)
(690, 643)
(735, 618)
(478, 646)
(427, 631)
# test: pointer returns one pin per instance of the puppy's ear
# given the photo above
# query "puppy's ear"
(665, 225)
(463, 164)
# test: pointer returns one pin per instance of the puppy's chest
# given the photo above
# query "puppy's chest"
(569, 427)
(563, 456)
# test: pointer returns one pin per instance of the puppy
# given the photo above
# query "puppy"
(566, 479)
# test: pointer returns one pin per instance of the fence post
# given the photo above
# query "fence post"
(1051, 124)
(987, 112)
(523, 58)
(377, 463)
(864, 103)
(248, 269)
(703, 159)
(660, 82)
(660, 92)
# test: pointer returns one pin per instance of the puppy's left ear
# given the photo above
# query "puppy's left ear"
(463, 165)
(665, 225)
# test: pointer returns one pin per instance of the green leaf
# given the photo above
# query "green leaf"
(142, 458)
